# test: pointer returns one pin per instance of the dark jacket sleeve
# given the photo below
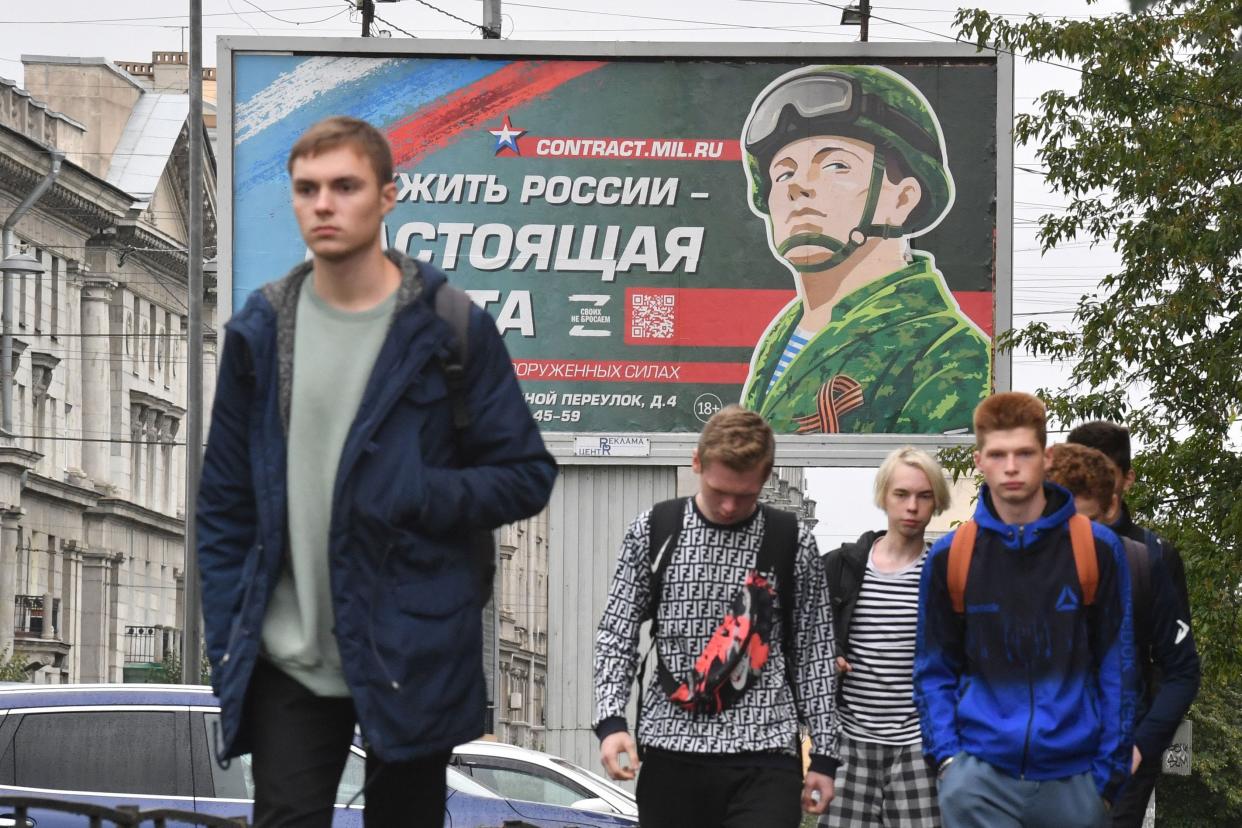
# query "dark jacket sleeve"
(509, 473)
(1176, 572)
(1112, 637)
(1173, 650)
(227, 512)
(939, 658)
(833, 574)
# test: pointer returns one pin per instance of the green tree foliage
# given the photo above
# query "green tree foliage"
(169, 671)
(1149, 154)
(13, 668)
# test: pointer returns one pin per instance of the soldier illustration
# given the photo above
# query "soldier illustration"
(845, 163)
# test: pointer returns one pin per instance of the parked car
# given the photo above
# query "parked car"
(153, 746)
(533, 776)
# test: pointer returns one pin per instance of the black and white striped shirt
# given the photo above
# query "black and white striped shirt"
(877, 695)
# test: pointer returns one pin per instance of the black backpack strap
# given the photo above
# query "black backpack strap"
(453, 306)
(663, 533)
(1140, 584)
(778, 554)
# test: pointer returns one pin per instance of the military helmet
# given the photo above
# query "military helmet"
(867, 103)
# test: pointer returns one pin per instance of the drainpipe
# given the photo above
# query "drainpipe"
(6, 318)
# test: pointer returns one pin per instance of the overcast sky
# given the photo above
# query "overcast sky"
(1045, 286)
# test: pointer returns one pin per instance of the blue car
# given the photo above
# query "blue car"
(152, 746)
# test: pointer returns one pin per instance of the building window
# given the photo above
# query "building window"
(38, 296)
(151, 342)
(54, 306)
(21, 299)
(137, 340)
(167, 347)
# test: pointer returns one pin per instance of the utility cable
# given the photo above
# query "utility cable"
(447, 14)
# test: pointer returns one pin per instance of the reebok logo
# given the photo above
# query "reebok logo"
(1183, 630)
(1068, 600)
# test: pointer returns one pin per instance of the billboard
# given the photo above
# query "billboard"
(662, 229)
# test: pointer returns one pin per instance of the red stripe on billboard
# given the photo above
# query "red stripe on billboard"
(480, 103)
(592, 370)
(733, 318)
(702, 317)
(646, 149)
(977, 305)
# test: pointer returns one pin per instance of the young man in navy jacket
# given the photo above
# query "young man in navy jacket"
(341, 489)
(1026, 698)
(1168, 662)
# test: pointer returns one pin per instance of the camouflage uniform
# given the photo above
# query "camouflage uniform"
(898, 356)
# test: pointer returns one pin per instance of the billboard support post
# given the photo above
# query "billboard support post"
(491, 20)
(192, 630)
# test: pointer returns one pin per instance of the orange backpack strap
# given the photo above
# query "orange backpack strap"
(1088, 565)
(961, 550)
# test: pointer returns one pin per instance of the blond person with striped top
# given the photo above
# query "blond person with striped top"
(874, 587)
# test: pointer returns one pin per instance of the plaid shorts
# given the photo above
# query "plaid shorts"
(889, 785)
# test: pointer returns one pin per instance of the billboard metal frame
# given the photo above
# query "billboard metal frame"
(666, 448)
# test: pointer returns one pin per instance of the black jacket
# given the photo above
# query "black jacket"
(845, 567)
(1168, 660)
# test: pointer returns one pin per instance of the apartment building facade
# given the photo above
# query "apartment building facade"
(91, 476)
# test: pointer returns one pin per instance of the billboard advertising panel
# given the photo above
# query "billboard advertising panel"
(659, 231)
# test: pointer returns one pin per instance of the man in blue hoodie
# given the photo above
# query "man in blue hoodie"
(1026, 695)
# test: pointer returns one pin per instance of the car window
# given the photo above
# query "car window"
(237, 780)
(459, 782)
(123, 751)
(517, 784)
(595, 777)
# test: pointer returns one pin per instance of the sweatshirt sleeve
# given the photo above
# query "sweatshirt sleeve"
(815, 668)
(1173, 650)
(616, 640)
(1112, 636)
(939, 658)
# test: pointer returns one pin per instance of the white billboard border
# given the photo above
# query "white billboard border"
(667, 449)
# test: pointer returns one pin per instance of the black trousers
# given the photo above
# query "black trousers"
(1131, 805)
(676, 793)
(300, 743)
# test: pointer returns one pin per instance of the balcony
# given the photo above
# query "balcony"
(148, 644)
(30, 616)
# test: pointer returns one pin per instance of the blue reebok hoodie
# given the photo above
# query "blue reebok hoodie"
(1029, 679)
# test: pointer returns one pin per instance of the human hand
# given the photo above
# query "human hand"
(843, 666)
(610, 751)
(817, 792)
(1136, 761)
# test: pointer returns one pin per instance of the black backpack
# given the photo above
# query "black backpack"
(452, 304)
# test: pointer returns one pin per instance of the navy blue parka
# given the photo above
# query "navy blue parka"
(404, 596)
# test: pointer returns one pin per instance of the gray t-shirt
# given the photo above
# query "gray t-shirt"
(333, 354)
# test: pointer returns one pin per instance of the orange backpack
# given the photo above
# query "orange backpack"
(962, 550)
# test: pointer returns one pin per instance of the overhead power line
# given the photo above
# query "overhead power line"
(151, 17)
(448, 14)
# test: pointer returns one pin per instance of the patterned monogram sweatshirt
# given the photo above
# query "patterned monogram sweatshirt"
(706, 570)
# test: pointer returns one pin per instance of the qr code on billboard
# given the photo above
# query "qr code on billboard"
(652, 315)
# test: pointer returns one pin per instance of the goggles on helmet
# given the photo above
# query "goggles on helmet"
(830, 96)
(813, 96)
